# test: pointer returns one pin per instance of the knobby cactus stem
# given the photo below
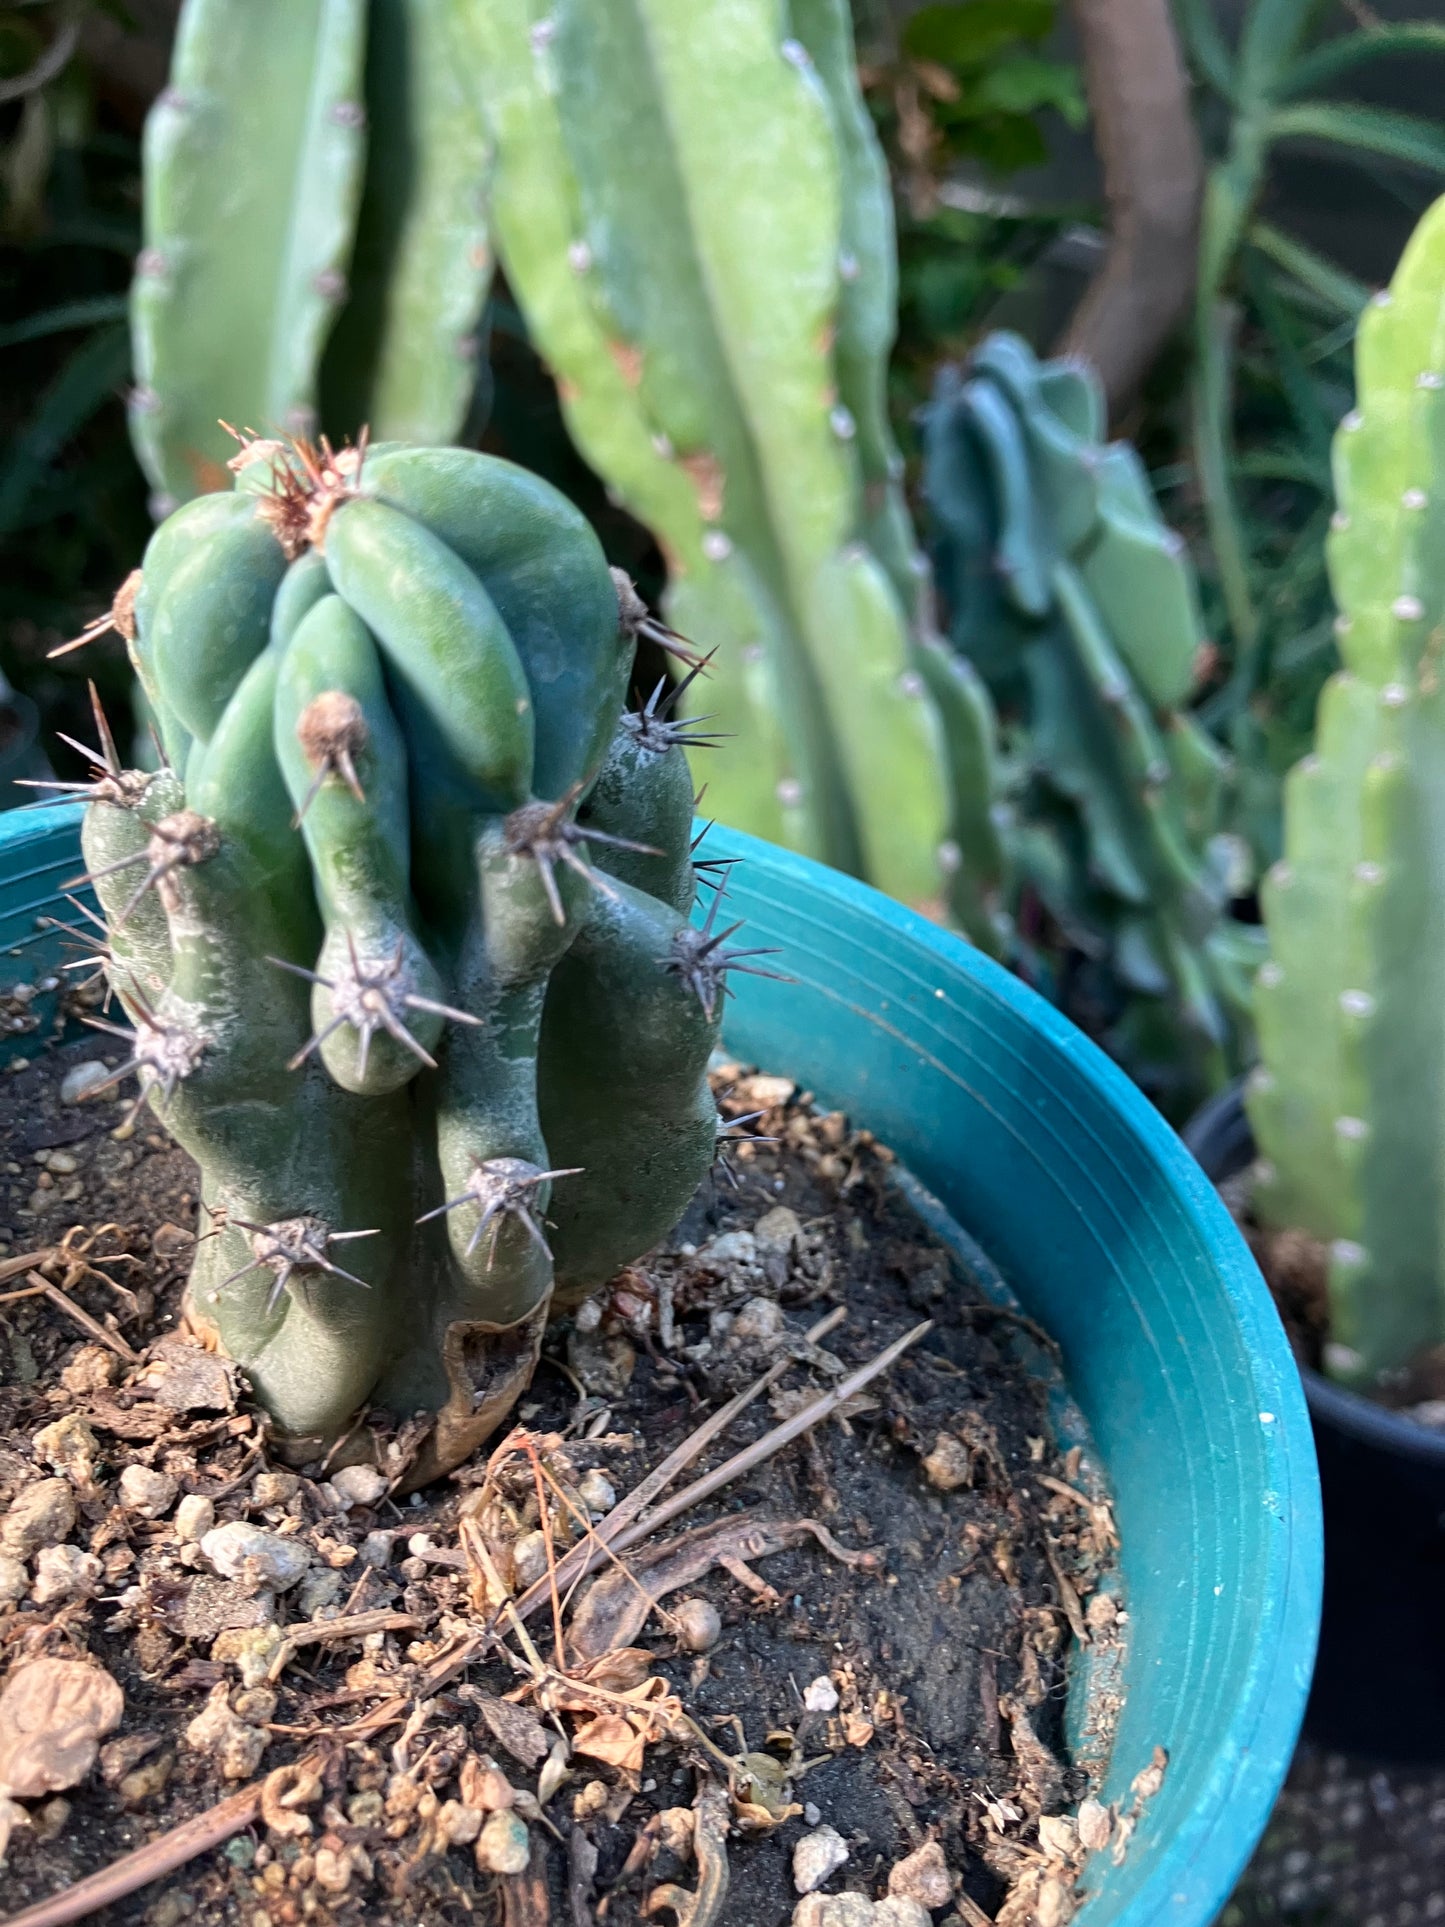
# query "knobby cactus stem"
(401, 928)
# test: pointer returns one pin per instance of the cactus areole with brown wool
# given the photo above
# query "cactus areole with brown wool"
(402, 925)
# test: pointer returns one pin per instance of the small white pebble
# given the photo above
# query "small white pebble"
(816, 1857)
(64, 1572)
(503, 1845)
(597, 1493)
(257, 1557)
(195, 1515)
(821, 1695)
(359, 1484)
(81, 1079)
(146, 1491)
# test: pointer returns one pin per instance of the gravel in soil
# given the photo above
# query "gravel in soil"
(847, 1667)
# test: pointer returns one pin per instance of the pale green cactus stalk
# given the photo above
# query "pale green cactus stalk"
(315, 250)
(1078, 606)
(693, 216)
(380, 983)
(1348, 1107)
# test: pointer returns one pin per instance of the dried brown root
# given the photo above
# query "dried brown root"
(524, 1895)
(704, 1907)
(616, 1608)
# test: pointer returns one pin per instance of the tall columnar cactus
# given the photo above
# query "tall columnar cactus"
(1349, 1105)
(693, 216)
(1078, 607)
(315, 246)
(435, 1062)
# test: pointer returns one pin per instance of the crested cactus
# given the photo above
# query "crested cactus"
(315, 252)
(693, 215)
(1347, 1104)
(401, 928)
(1077, 606)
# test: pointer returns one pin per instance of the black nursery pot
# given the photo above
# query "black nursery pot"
(1379, 1683)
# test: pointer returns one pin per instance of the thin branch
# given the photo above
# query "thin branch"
(172, 1849)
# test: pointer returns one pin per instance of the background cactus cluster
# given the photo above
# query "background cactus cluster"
(1348, 1107)
(724, 375)
(1079, 608)
(402, 925)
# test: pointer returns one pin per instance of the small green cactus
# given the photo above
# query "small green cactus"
(1078, 607)
(315, 251)
(1348, 1107)
(402, 928)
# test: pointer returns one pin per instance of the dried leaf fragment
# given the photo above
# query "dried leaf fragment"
(513, 1727)
(1095, 1823)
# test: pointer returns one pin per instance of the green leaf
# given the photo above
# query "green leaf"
(1314, 425)
(1364, 130)
(1025, 85)
(1268, 41)
(965, 36)
(1324, 64)
(92, 375)
(1005, 143)
(69, 314)
(1208, 50)
(1337, 291)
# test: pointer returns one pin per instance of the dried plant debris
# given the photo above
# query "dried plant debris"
(762, 1610)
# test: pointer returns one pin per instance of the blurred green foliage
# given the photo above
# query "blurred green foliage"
(72, 502)
(1270, 373)
(967, 86)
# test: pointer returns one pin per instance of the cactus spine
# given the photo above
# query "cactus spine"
(281, 274)
(1348, 1106)
(691, 212)
(1078, 607)
(387, 1034)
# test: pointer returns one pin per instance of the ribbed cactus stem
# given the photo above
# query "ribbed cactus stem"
(1348, 1106)
(702, 248)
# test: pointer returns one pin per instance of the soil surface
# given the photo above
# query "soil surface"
(895, 1592)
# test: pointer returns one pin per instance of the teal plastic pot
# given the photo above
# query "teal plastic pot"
(1114, 1239)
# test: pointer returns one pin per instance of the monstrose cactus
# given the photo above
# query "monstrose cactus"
(1348, 1107)
(402, 927)
(1077, 605)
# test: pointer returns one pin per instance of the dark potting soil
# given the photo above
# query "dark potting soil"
(898, 1589)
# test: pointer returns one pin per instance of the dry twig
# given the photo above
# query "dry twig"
(323, 1631)
(588, 1556)
(170, 1850)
